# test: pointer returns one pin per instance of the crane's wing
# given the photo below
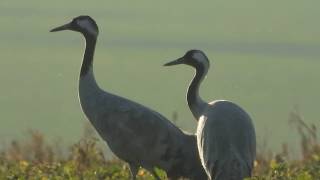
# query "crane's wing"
(138, 129)
(226, 135)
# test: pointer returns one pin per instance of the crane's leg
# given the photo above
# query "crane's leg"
(134, 170)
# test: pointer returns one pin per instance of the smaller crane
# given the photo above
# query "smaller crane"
(225, 133)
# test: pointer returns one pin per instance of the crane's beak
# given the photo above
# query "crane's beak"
(175, 62)
(61, 28)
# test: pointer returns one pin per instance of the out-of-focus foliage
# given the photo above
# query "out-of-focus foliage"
(35, 158)
(280, 167)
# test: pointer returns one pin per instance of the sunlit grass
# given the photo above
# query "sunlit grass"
(37, 158)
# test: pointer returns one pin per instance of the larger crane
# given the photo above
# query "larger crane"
(225, 133)
(134, 133)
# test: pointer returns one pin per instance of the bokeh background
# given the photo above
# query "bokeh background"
(264, 56)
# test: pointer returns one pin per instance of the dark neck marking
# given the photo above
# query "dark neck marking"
(195, 102)
(88, 54)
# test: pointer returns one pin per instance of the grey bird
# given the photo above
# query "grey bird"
(225, 133)
(134, 133)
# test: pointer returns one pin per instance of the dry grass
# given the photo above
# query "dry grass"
(36, 158)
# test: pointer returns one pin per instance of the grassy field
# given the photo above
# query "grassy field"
(34, 157)
(264, 56)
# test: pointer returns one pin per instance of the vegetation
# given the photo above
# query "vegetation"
(35, 158)
(280, 167)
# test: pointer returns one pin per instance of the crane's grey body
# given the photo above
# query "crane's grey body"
(225, 133)
(139, 135)
(226, 141)
(135, 133)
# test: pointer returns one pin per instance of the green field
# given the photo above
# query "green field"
(36, 158)
(264, 56)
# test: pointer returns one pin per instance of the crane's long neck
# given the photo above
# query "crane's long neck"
(87, 82)
(196, 104)
(87, 63)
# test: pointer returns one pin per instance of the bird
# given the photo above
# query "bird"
(225, 132)
(136, 134)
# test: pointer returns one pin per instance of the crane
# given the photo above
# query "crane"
(136, 134)
(225, 132)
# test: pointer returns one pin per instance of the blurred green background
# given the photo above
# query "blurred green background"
(264, 56)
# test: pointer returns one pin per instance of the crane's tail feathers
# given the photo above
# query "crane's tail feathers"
(232, 169)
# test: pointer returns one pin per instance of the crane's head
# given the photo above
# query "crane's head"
(194, 58)
(83, 24)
